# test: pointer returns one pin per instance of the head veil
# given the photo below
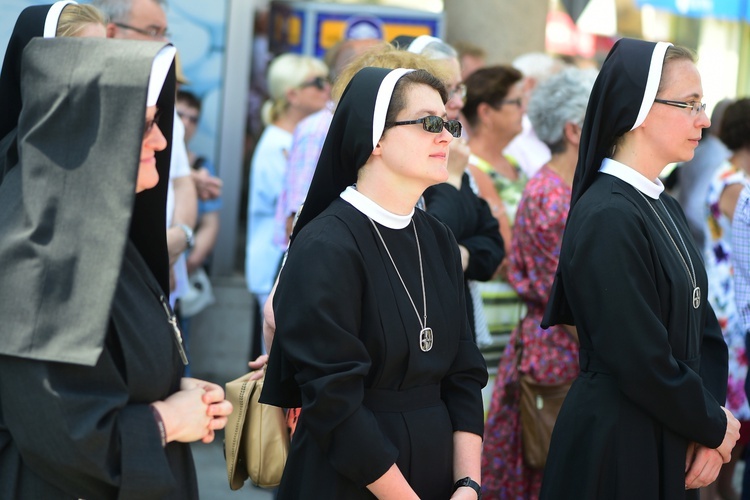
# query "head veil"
(621, 98)
(355, 130)
(34, 21)
(67, 213)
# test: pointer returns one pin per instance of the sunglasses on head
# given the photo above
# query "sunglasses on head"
(319, 82)
(434, 124)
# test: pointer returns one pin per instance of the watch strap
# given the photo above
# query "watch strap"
(467, 481)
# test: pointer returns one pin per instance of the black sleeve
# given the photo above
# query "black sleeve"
(318, 311)
(611, 286)
(75, 427)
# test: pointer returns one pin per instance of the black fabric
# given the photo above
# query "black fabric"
(58, 440)
(67, 207)
(30, 24)
(654, 369)
(473, 225)
(347, 147)
(612, 110)
(347, 334)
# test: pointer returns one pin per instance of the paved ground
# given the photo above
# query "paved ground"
(219, 347)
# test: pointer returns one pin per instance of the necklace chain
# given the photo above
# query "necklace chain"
(422, 323)
(690, 270)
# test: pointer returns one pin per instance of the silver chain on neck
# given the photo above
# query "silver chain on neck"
(690, 270)
(422, 323)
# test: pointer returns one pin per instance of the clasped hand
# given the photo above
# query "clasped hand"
(194, 412)
(702, 464)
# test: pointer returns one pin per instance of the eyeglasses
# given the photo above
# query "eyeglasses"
(434, 124)
(150, 124)
(459, 90)
(517, 101)
(319, 82)
(694, 106)
(151, 32)
(185, 116)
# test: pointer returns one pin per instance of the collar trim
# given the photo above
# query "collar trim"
(375, 211)
(650, 188)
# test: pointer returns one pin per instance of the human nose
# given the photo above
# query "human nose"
(155, 139)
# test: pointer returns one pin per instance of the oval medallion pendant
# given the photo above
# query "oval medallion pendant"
(696, 297)
(425, 339)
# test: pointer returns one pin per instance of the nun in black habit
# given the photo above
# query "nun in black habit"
(644, 419)
(371, 329)
(92, 399)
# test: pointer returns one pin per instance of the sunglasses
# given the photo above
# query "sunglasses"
(434, 124)
(319, 82)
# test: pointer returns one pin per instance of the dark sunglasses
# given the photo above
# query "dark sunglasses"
(434, 124)
(319, 82)
(151, 123)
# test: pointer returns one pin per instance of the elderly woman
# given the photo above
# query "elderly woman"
(644, 418)
(93, 403)
(556, 110)
(372, 339)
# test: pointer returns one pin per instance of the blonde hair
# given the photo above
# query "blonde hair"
(386, 56)
(75, 17)
(287, 72)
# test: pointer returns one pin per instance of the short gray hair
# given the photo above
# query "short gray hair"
(537, 65)
(560, 99)
(119, 10)
(437, 50)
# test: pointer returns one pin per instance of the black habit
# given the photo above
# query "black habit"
(653, 367)
(347, 344)
(86, 343)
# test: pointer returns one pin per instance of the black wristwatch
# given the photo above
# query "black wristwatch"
(467, 481)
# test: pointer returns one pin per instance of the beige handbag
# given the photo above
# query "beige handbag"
(256, 441)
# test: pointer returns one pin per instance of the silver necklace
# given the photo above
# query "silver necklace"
(690, 270)
(425, 334)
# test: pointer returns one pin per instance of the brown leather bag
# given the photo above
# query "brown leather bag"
(539, 406)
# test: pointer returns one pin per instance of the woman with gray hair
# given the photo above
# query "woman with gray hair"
(556, 109)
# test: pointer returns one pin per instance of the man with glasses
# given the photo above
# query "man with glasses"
(147, 20)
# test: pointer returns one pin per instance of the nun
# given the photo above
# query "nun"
(92, 399)
(644, 419)
(372, 337)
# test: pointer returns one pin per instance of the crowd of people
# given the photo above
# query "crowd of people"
(407, 202)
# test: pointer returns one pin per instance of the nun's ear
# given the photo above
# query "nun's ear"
(378, 149)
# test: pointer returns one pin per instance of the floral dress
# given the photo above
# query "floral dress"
(550, 356)
(721, 286)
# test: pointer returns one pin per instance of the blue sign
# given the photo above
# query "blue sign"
(732, 10)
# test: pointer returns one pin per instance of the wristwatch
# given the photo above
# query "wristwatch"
(189, 237)
(467, 481)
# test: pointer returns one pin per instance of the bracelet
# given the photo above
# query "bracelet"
(469, 482)
(189, 236)
(160, 425)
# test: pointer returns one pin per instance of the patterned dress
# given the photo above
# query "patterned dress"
(550, 356)
(716, 254)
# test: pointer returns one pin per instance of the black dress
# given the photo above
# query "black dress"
(347, 350)
(58, 441)
(653, 368)
(473, 225)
